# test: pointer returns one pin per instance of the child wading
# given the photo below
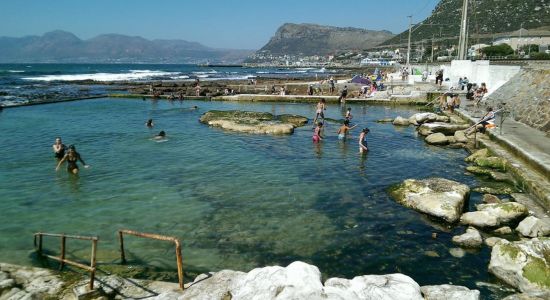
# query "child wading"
(320, 112)
(363, 147)
(317, 135)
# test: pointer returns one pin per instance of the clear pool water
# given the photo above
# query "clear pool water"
(236, 201)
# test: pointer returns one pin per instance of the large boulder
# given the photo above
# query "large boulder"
(470, 239)
(28, 283)
(534, 227)
(494, 214)
(383, 287)
(253, 122)
(299, 281)
(479, 219)
(399, 121)
(524, 265)
(448, 292)
(460, 136)
(504, 212)
(445, 128)
(437, 197)
(437, 139)
(421, 118)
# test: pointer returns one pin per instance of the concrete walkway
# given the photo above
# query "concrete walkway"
(530, 145)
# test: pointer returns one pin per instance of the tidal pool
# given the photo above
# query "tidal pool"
(236, 201)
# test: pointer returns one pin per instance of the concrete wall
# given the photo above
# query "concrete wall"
(527, 96)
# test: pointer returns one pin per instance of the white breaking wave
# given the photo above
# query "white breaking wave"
(15, 71)
(180, 77)
(133, 75)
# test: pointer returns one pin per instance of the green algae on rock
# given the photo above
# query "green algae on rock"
(253, 122)
(477, 154)
(491, 162)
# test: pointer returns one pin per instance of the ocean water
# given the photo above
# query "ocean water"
(236, 201)
(28, 82)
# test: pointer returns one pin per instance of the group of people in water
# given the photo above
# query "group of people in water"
(343, 131)
(67, 154)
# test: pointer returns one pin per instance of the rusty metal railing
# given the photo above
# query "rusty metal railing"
(62, 260)
(154, 237)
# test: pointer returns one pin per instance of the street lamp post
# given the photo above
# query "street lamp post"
(409, 43)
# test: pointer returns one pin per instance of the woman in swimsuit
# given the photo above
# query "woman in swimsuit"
(344, 129)
(71, 157)
(58, 148)
(317, 137)
(320, 112)
(363, 148)
(149, 123)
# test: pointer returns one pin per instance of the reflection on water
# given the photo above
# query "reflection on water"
(236, 201)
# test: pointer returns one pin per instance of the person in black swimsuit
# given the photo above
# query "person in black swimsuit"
(59, 148)
(71, 157)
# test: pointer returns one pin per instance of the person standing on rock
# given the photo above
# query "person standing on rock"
(331, 82)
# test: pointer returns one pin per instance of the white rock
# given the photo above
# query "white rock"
(471, 238)
(503, 230)
(492, 241)
(399, 121)
(448, 292)
(479, 219)
(445, 128)
(382, 287)
(457, 252)
(533, 227)
(504, 212)
(420, 118)
(437, 139)
(524, 265)
(438, 197)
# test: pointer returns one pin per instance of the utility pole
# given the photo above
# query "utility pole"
(463, 40)
(433, 36)
(409, 44)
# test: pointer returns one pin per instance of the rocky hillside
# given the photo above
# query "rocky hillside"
(486, 17)
(65, 47)
(311, 39)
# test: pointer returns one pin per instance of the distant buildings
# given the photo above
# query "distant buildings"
(524, 37)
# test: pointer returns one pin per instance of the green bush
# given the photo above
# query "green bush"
(498, 50)
(540, 55)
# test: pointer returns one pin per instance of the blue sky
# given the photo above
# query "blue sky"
(242, 24)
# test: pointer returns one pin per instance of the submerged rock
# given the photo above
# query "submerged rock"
(437, 139)
(489, 198)
(494, 214)
(470, 239)
(499, 189)
(438, 197)
(387, 120)
(524, 265)
(253, 122)
(534, 227)
(448, 292)
(399, 121)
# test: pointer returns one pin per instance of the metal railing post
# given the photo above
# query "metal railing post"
(121, 241)
(62, 255)
(179, 263)
(93, 263)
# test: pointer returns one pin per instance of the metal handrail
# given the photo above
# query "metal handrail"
(62, 260)
(155, 237)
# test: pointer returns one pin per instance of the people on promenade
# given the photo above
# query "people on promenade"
(439, 77)
(310, 90)
(58, 148)
(71, 157)
(344, 129)
(363, 147)
(343, 94)
(149, 123)
(320, 111)
(331, 83)
(317, 133)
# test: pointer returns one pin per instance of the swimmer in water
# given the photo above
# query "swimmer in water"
(59, 148)
(363, 147)
(317, 135)
(71, 157)
(348, 114)
(344, 129)
(160, 136)
(149, 123)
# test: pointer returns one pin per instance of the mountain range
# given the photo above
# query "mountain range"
(64, 47)
(312, 39)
